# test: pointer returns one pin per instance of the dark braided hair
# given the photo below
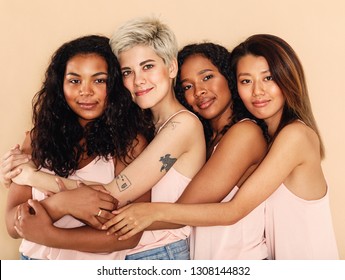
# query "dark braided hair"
(219, 57)
(57, 134)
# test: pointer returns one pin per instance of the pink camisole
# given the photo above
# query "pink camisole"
(244, 240)
(298, 229)
(99, 170)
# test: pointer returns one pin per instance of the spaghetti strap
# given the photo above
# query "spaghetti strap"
(173, 115)
(247, 119)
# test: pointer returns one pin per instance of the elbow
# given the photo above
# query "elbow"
(12, 232)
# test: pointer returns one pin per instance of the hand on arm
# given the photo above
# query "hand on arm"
(92, 205)
(39, 228)
(10, 164)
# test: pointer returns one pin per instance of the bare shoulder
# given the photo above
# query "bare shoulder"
(186, 121)
(297, 140)
(298, 133)
(246, 132)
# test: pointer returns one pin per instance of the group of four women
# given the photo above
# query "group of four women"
(218, 157)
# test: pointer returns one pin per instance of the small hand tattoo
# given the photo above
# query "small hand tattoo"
(122, 182)
(168, 162)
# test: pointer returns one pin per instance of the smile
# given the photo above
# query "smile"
(87, 106)
(260, 103)
(142, 92)
(205, 103)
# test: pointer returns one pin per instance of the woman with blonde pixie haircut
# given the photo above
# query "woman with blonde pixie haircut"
(147, 52)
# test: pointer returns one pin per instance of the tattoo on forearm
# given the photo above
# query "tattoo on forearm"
(168, 162)
(122, 182)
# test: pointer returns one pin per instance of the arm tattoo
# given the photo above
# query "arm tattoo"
(122, 182)
(171, 124)
(168, 162)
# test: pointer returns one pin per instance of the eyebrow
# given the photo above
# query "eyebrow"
(248, 74)
(141, 64)
(199, 73)
(94, 75)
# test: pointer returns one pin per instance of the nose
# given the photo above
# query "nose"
(86, 89)
(258, 89)
(139, 79)
(199, 91)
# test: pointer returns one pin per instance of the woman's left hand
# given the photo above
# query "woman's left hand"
(131, 219)
(32, 221)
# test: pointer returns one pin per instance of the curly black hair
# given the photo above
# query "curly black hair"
(56, 135)
(219, 57)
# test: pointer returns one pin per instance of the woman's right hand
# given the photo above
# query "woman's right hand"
(91, 204)
(10, 164)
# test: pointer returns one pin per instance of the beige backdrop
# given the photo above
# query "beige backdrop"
(32, 30)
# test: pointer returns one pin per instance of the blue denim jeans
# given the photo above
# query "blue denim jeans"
(25, 258)
(178, 250)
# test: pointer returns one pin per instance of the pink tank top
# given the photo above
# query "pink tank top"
(168, 189)
(99, 170)
(244, 240)
(298, 229)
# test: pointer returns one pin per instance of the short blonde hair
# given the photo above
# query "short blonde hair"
(146, 31)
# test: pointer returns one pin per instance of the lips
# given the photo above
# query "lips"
(87, 105)
(142, 92)
(205, 103)
(260, 103)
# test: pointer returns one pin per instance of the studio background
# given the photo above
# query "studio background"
(32, 30)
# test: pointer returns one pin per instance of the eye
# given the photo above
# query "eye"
(148, 66)
(126, 73)
(186, 87)
(269, 78)
(74, 81)
(101, 81)
(207, 77)
(245, 81)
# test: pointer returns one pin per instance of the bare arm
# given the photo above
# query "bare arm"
(84, 238)
(239, 152)
(291, 152)
(145, 171)
(165, 149)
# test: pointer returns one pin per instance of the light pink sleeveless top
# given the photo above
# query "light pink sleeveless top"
(99, 170)
(168, 189)
(298, 229)
(244, 240)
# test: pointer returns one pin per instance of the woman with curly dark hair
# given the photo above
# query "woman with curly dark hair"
(85, 126)
(235, 146)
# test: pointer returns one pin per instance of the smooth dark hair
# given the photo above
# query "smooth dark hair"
(287, 71)
(219, 57)
(56, 135)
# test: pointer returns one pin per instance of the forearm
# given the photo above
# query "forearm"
(54, 207)
(87, 239)
(46, 182)
(163, 225)
(212, 214)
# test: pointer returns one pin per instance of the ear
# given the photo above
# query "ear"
(173, 68)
